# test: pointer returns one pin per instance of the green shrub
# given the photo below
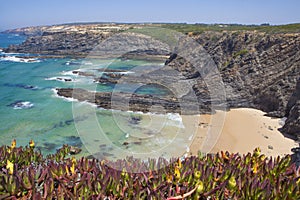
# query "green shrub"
(26, 174)
(240, 53)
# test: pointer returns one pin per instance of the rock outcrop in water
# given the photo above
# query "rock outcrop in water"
(259, 70)
(124, 101)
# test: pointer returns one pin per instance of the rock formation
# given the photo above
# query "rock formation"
(259, 70)
(83, 40)
(124, 101)
(292, 123)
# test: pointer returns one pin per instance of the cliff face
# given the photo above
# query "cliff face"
(259, 70)
(64, 40)
(60, 43)
(292, 124)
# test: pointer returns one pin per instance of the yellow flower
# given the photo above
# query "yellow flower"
(177, 173)
(197, 174)
(169, 178)
(254, 168)
(224, 156)
(67, 170)
(232, 182)
(298, 181)
(125, 175)
(200, 187)
(31, 144)
(179, 163)
(73, 165)
(262, 157)
(256, 152)
(72, 169)
(10, 167)
(13, 144)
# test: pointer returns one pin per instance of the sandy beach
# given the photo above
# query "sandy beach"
(238, 130)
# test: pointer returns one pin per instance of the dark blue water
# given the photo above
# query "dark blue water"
(8, 39)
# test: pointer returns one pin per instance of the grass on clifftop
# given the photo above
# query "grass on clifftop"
(199, 28)
(26, 174)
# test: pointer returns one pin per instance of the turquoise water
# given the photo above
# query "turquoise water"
(30, 108)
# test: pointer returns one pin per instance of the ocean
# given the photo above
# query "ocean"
(31, 109)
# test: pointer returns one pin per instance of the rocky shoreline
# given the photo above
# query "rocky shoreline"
(259, 70)
(78, 41)
(123, 101)
(134, 102)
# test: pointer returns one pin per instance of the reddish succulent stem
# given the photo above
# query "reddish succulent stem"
(184, 195)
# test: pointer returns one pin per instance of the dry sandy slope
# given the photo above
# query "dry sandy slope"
(242, 130)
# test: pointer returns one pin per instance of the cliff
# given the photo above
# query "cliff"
(259, 70)
(292, 124)
(64, 40)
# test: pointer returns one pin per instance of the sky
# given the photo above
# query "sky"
(23, 13)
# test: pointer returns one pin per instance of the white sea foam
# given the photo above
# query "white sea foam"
(12, 53)
(54, 90)
(87, 63)
(73, 62)
(69, 73)
(90, 104)
(174, 119)
(22, 105)
(282, 121)
(60, 78)
(19, 59)
(69, 99)
(128, 72)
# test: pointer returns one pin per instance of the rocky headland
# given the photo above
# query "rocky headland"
(80, 40)
(259, 69)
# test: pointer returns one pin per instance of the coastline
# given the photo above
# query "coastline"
(49, 55)
(253, 130)
(243, 130)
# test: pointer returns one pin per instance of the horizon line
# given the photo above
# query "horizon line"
(148, 22)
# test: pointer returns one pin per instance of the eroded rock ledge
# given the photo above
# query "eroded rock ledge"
(123, 101)
(133, 102)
